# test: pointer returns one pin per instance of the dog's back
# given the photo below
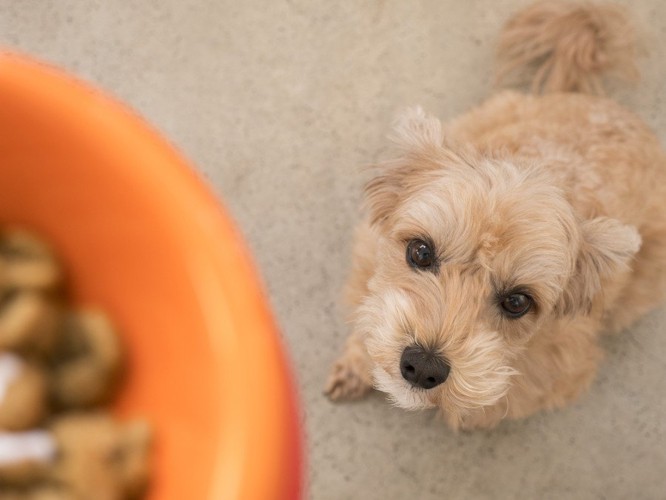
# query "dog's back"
(603, 156)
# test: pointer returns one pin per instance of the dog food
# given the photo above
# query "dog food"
(58, 366)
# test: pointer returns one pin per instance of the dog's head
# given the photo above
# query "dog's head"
(473, 257)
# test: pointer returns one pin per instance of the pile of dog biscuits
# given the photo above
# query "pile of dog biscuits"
(58, 365)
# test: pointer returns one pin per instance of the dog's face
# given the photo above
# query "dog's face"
(473, 257)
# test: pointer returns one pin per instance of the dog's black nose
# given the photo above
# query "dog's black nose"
(422, 368)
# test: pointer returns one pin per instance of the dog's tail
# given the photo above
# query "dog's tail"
(568, 47)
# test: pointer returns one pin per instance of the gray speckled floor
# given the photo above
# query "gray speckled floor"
(279, 103)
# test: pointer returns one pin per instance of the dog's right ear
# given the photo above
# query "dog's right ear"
(419, 139)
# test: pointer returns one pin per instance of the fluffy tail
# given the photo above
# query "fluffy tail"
(567, 47)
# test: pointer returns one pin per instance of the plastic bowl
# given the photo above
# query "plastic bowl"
(142, 237)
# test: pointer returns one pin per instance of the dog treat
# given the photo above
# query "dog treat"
(57, 366)
(78, 455)
(29, 321)
(78, 350)
(27, 262)
(113, 455)
(23, 396)
(20, 451)
(87, 361)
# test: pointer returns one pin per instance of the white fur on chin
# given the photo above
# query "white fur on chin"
(400, 392)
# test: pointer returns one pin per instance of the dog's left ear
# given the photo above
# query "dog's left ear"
(419, 139)
(607, 249)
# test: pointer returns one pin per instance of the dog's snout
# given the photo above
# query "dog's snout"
(423, 368)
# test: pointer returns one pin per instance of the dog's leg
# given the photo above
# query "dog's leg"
(350, 376)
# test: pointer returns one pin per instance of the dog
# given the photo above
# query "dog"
(494, 250)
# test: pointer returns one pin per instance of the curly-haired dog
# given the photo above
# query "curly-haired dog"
(496, 248)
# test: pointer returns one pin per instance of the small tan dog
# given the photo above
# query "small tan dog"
(498, 247)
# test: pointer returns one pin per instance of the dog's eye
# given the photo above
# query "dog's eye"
(420, 254)
(516, 305)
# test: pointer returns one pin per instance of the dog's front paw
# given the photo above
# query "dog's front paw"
(348, 380)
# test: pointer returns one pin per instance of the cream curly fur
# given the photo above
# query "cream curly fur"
(563, 195)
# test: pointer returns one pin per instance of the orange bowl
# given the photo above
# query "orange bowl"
(143, 238)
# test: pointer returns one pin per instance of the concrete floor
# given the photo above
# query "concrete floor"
(279, 103)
